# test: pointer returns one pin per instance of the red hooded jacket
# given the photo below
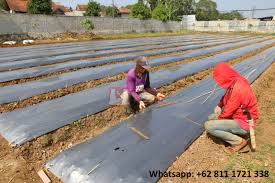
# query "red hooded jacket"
(238, 96)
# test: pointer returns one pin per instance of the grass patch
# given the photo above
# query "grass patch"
(149, 34)
(48, 141)
(64, 136)
(273, 104)
(261, 160)
(259, 130)
(271, 118)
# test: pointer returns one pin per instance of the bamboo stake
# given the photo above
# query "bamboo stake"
(139, 133)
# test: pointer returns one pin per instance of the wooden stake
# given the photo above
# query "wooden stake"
(44, 177)
(94, 168)
(168, 103)
(139, 133)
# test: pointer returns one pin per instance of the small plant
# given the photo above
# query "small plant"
(87, 24)
(250, 25)
(64, 136)
(47, 141)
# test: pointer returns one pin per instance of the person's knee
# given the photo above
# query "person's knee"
(148, 98)
(125, 98)
(209, 126)
(151, 99)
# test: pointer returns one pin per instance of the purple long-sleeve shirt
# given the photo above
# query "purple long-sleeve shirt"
(136, 85)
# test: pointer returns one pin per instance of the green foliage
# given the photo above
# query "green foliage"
(230, 16)
(1, 5)
(87, 24)
(206, 10)
(185, 7)
(129, 6)
(93, 9)
(110, 10)
(140, 10)
(39, 7)
(153, 4)
(161, 13)
(174, 9)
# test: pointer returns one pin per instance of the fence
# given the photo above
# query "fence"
(43, 25)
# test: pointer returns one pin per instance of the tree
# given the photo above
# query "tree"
(185, 7)
(110, 10)
(175, 9)
(93, 9)
(153, 4)
(140, 10)
(230, 16)
(206, 10)
(160, 13)
(39, 7)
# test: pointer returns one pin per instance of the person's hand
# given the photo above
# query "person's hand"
(217, 110)
(141, 105)
(160, 96)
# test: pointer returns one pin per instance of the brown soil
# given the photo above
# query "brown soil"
(90, 84)
(205, 154)
(13, 167)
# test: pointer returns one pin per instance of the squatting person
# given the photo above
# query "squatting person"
(231, 125)
(139, 91)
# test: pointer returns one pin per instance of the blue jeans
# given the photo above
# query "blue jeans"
(227, 130)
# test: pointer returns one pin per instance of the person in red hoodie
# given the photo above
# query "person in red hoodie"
(232, 123)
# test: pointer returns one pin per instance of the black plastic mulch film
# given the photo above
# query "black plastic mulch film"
(120, 155)
(32, 62)
(26, 90)
(40, 51)
(22, 125)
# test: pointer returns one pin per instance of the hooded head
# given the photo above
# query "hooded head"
(142, 66)
(224, 75)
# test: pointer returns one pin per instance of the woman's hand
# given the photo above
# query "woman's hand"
(160, 96)
(141, 105)
(217, 110)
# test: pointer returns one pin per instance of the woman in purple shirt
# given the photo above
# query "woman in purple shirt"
(138, 87)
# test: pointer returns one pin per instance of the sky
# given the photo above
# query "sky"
(223, 5)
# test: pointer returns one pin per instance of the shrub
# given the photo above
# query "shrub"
(140, 11)
(160, 13)
(39, 7)
(87, 24)
(93, 9)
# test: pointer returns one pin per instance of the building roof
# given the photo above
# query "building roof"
(18, 5)
(58, 6)
(81, 7)
(22, 6)
(124, 11)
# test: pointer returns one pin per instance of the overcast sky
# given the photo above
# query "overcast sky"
(222, 4)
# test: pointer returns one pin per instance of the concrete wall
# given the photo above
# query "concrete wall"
(234, 25)
(46, 26)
